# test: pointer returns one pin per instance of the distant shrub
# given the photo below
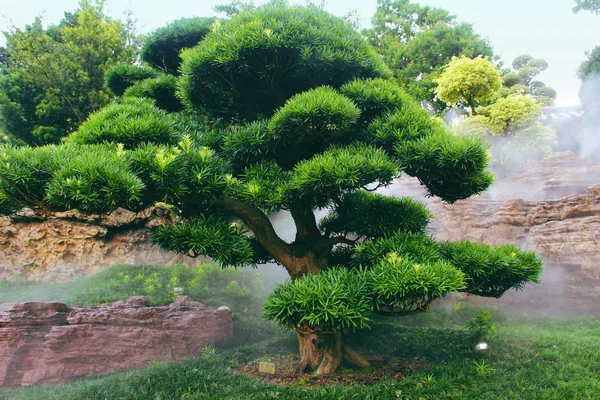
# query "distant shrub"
(160, 89)
(121, 76)
(242, 291)
(130, 122)
(161, 49)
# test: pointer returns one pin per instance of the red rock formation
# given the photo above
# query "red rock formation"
(44, 343)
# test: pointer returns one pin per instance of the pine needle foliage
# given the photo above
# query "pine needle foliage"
(121, 76)
(161, 89)
(161, 48)
(211, 236)
(335, 300)
(374, 216)
(129, 122)
(248, 67)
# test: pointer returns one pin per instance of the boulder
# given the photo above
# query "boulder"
(42, 343)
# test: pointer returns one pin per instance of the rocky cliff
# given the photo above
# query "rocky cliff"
(64, 246)
(553, 209)
(42, 343)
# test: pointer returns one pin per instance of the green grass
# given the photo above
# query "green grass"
(528, 359)
(242, 290)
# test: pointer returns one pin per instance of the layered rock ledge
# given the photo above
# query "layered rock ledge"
(43, 343)
(64, 246)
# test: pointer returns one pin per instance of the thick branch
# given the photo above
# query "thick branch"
(263, 230)
(307, 230)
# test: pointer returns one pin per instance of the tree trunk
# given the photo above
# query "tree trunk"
(471, 103)
(323, 352)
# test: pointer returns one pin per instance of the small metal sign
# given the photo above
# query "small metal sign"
(267, 368)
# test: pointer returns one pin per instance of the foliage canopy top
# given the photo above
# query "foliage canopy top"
(248, 67)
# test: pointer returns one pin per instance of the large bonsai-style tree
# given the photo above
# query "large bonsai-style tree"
(287, 108)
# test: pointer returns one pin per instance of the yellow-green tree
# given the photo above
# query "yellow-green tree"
(468, 80)
(513, 126)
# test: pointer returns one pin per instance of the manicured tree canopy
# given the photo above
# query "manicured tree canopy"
(160, 89)
(308, 125)
(247, 68)
(121, 76)
(161, 49)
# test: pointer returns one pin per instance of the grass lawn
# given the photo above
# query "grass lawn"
(527, 359)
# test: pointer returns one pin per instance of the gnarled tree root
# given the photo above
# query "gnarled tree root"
(323, 352)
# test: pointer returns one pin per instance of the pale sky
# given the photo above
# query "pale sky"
(542, 28)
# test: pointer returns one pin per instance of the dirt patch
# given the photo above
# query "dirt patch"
(381, 368)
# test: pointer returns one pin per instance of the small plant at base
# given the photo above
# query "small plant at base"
(480, 326)
(209, 353)
(483, 369)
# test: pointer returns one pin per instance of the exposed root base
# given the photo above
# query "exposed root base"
(323, 353)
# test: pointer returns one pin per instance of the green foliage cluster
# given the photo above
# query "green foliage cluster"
(376, 97)
(413, 271)
(520, 81)
(161, 89)
(121, 76)
(373, 216)
(335, 300)
(479, 262)
(245, 69)
(492, 271)
(53, 77)
(62, 177)
(513, 126)
(329, 175)
(129, 122)
(211, 236)
(590, 67)
(400, 286)
(317, 112)
(470, 80)
(161, 49)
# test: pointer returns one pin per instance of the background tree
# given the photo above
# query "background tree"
(589, 73)
(417, 42)
(588, 5)
(520, 80)
(468, 80)
(52, 79)
(161, 49)
(590, 67)
(512, 125)
(312, 123)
